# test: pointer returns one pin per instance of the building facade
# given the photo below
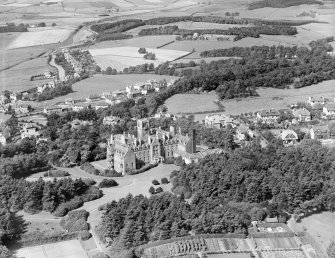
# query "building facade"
(127, 152)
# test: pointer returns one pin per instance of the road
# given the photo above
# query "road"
(61, 71)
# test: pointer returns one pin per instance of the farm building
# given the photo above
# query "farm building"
(3, 140)
(314, 101)
(329, 109)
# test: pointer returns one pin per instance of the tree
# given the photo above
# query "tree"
(152, 190)
(142, 50)
(159, 190)
(98, 69)
(53, 24)
(331, 250)
(41, 24)
(155, 182)
(164, 181)
(109, 70)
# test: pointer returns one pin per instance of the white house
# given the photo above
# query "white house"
(111, 120)
(289, 137)
(329, 109)
(28, 132)
(219, 121)
(313, 101)
(2, 139)
(302, 114)
(268, 116)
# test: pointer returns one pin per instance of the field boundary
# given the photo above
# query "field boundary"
(181, 57)
(165, 44)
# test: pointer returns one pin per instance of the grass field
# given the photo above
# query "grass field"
(103, 83)
(66, 249)
(42, 37)
(122, 57)
(18, 77)
(320, 226)
(192, 103)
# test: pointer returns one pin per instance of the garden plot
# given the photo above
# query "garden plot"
(122, 57)
(37, 38)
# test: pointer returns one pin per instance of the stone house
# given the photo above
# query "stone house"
(289, 137)
(301, 114)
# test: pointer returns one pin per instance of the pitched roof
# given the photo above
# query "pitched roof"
(271, 112)
(330, 106)
(289, 135)
(301, 111)
(321, 128)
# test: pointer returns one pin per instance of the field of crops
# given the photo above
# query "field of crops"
(282, 254)
(275, 243)
(189, 246)
(43, 37)
(122, 57)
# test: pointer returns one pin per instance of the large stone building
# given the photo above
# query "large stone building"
(126, 152)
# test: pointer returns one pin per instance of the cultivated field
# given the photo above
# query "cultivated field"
(282, 254)
(42, 37)
(192, 103)
(122, 57)
(147, 42)
(66, 249)
(275, 243)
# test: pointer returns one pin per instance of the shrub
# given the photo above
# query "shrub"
(142, 50)
(91, 194)
(75, 221)
(150, 56)
(65, 207)
(164, 181)
(152, 190)
(108, 183)
(87, 167)
(159, 190)
(84, 235)
(110, 173)
(100, 255)
(56, 173)
(89, 181)
(142, 169)
(155, 182)
(179, 161)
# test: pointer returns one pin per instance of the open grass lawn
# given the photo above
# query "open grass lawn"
(320, 226)
(192, 103)
(71, 248)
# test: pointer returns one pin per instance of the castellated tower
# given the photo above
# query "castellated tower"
(143, 127)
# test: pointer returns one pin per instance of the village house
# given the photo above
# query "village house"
(14, 96)
(134, 94)
(3, 140)
(162, 115)
(80, 106)
(268, 116)
(3, 99)
(219, 121)
(92, 98)
(320, 132)
(302, 114)
(289, 137)
(316, 101)
(22, 109)
(111, 120)
(51, 110)
(147, 90)
(241, 131)
(329, 109)
(118, 93)
(29, 131)
(76, 123)
(99, 105)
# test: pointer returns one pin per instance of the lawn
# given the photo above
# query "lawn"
(192, 103)
(70, 248)
(122, 57)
